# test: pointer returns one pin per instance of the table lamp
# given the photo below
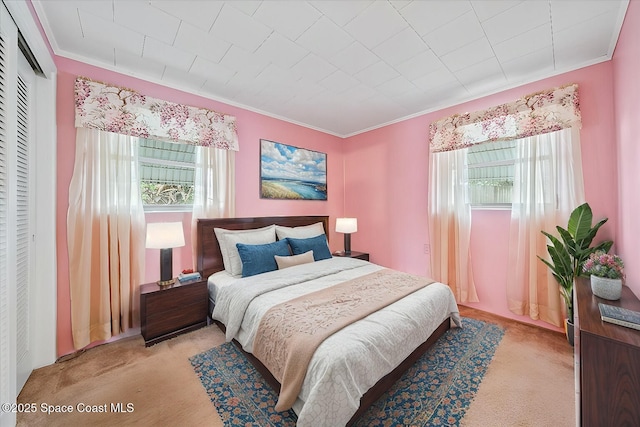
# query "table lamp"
(165, 236)
(347, 226)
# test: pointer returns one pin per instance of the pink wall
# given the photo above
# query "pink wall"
(386, 181)
(386, 172)
(251, 128)
(626, 89)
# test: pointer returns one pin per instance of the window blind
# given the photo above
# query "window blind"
(166, 162)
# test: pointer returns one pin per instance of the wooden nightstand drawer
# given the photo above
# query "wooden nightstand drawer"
(165, 313)
(176, 297)
(176, 319)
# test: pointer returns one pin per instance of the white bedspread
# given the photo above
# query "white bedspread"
(348, 363)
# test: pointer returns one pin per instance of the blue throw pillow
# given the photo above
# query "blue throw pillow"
(316, 244)
(258, 259)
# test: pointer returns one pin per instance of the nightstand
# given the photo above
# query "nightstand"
(353, 254)
(174, 310)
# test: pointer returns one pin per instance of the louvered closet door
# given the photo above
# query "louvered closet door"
(24, 221)
(5, 364)
(7, 289)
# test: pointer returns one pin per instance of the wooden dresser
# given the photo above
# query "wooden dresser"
(607, 359)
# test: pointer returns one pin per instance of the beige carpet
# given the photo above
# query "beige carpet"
(158, 381)
(529, 382)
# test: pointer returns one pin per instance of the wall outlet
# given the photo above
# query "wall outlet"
(427, 249)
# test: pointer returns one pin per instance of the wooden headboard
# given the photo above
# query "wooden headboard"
(208, 255)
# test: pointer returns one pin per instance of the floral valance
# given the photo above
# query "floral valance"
(530, 115)
(119, 110)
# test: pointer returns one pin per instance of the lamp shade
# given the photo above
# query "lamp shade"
(163, 235)
(346, 225)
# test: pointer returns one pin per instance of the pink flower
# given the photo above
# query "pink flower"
(606, 265)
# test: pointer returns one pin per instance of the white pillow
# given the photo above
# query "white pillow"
(290, 261)
(302, 232)
(228, 239)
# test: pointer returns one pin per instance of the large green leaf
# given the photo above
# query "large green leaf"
(586, 242)
(569, 243)
(551, 267)
(580, 222)
(603, 246)
(565, 287)
(560, 257)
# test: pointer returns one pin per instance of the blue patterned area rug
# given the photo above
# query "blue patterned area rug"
(436, 390)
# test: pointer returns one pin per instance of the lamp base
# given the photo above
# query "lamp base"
(166, 264)
(166, 283)
(347, 243)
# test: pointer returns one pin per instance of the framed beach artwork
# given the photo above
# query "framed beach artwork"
(288, 172)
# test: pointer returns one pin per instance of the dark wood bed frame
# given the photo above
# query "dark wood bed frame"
(209, 261)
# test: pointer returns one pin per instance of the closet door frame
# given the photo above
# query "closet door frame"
(44, 293)
(42, 286)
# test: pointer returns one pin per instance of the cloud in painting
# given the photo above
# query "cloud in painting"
(280, 161)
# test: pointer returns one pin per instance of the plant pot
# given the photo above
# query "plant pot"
(606, 288)
(568, 330)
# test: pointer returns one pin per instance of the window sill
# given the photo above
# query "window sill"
(168, 208)
(491, 207)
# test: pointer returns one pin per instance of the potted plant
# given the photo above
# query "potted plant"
(607, 272)
(569, 253)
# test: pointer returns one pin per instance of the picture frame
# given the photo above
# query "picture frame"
(292, 173)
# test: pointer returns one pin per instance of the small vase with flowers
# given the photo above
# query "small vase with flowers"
(607, 274)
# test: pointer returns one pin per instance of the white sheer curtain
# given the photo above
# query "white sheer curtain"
(548, 185)
(215, 187)
(105, 235)
(450, 223)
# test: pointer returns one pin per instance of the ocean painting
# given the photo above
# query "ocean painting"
(288, 172)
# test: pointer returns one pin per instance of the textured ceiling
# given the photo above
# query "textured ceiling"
(342, 67)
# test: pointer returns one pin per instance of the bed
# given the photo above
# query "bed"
(352, 367)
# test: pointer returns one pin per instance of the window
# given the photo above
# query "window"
(490, 173)
(166, 175)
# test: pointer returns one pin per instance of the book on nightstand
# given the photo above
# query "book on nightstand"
(620, 316)
(187, 277)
